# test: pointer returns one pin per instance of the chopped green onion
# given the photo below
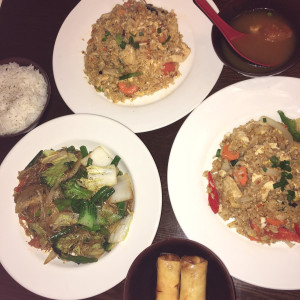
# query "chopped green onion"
(116, 160)
(285, 165)
(100, 89)
(141, 33)
(264, 120)
(291, 195)
(274, 160)
(233, 162)
(107, 33)
(136, 45)
(132, 34)
(130, 75)
(123, 45)
(89, 162)
(83, 151)
(130, 40)
(218, 153)
(118, 38)
(264, 169)
(158, 30)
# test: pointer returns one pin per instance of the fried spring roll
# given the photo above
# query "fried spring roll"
(168, 276)
(193, 278)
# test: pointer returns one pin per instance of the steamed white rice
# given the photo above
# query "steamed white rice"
(23, 95)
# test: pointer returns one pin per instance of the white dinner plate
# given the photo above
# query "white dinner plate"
(59, 280)
(276, 266)
(199, 72)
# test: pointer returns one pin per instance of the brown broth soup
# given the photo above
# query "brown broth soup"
(271, 40)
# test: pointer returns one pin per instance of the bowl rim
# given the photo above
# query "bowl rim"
(175, 240)
(23, 61)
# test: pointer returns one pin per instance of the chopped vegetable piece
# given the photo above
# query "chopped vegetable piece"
(130, 75)
(291, 124)
(116, 160)
(87, 214)
(283, 234)
(127, 89)
(275, 222)
(62, 203)
(168, 67)
(107, 33)
(213, 197)
(83, 151)
(72, 190)
(227, 154)
(102, 195)
(240, 175)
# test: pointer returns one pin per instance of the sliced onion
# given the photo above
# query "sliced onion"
(100, 157)
(123, 189)
(278, 126)
(120, 231)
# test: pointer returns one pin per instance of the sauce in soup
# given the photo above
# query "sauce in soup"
(271, 42)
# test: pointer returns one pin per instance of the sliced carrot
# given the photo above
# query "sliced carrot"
(162, 38)
(240, 175)
(168, 67)
(127, 89)
(275, 222)
(121, 12)
(227, 154)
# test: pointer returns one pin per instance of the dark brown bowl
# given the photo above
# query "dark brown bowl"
(289, 9)
(141, 278)
(27, 62)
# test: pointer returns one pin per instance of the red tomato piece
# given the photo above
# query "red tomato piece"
(168, 67)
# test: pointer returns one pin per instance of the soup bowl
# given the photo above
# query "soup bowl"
(288, 10)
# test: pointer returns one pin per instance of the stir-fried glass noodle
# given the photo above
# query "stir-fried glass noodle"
(134, 50)
(254, 183)
(74, 204)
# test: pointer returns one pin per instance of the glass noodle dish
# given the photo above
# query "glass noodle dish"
(134, 50)
(254, 183)
(74, 204)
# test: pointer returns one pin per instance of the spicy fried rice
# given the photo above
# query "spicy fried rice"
(254, 183)
(134, 50)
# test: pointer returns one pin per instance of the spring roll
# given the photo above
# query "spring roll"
(193, 278)
(168, 276)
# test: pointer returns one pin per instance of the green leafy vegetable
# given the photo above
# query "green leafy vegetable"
(72, 190)
(87, 213)
(291, 125)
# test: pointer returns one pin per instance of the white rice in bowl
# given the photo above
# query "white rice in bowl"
(23, 95)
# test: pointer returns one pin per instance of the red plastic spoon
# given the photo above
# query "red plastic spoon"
(233, 37)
